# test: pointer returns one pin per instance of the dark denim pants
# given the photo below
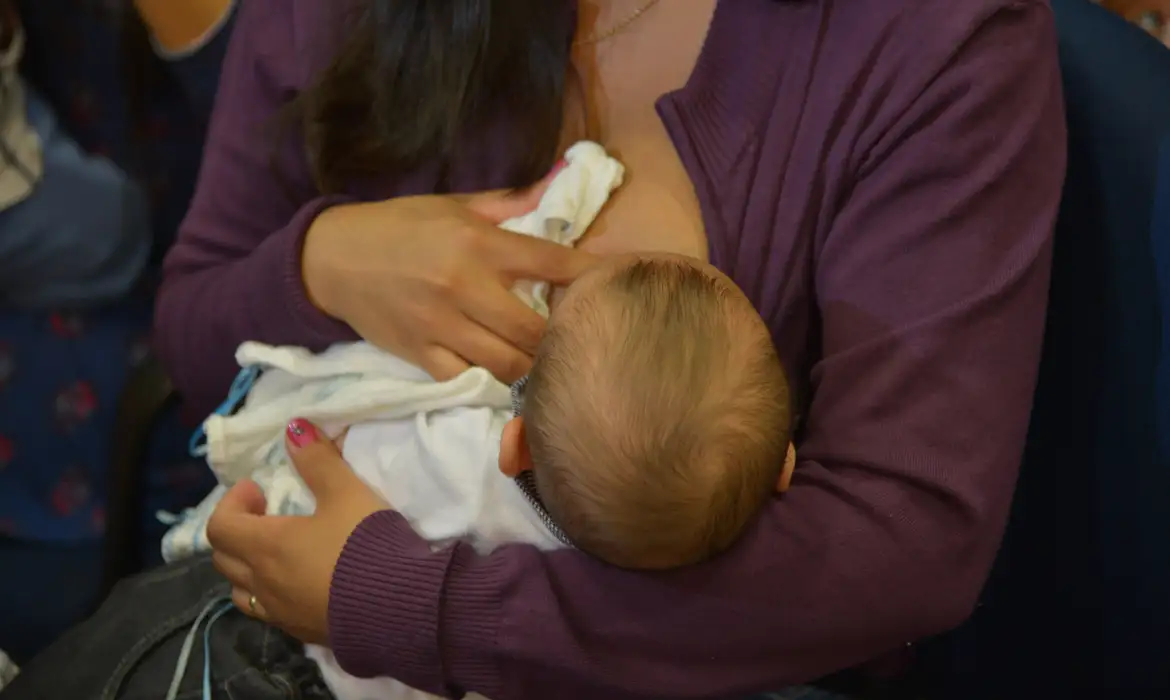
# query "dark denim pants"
(129, 649)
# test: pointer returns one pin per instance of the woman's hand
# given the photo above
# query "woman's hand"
(284, 565)
(428, 278)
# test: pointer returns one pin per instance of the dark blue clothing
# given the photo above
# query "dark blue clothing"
(61, 374)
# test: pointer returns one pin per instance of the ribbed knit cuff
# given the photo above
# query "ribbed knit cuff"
(385, 604)
(472, 609)
(301, 310)
(428, 619)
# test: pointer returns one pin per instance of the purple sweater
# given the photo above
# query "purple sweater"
(881, 177)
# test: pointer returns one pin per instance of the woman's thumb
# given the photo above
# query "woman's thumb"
(317, 460)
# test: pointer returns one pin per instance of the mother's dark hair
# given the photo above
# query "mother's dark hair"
(413, 78)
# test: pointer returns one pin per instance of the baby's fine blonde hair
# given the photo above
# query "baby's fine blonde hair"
(657, 415)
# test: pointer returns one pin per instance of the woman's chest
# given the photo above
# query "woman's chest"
(615, 85)
(720, 186)
(729, 166)
(656, 208)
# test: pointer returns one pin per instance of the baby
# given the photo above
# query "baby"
(654, 424)
(655, 421)
(651, 430)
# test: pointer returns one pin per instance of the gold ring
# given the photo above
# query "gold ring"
(252, 604)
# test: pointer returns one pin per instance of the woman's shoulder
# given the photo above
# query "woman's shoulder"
(860, 65)
(923, 32)
(901, 48)
(865, 51)
(913, 27)
(873, 58)
(878, 16)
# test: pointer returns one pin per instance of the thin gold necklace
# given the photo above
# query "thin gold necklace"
(615, 29)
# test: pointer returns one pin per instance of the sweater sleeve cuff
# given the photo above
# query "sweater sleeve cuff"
(316, 323)
(387, 611)
(471, 624)
(384, 604)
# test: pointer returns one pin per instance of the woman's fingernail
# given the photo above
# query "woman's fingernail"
(560, 165)
(301, 433)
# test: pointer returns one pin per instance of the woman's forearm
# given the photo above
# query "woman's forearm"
(177, 24)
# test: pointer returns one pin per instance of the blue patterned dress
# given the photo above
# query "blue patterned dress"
(61, 373)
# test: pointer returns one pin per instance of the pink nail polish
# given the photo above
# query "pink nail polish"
(560, 165)
(301, 433)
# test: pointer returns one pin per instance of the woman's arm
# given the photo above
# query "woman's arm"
(932, 287)
(234, 274)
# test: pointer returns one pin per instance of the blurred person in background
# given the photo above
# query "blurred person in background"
(118, 96)
(74, 230)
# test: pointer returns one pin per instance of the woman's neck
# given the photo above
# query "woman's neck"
(598, 19)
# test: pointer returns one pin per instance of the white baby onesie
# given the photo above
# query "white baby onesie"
(356, 382)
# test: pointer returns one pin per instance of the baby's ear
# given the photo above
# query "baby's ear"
(789, 467)
(514, 455)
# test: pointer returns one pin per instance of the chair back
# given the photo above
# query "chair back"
(1078, 603)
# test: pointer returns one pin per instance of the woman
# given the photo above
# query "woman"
(132, 85)
(881, 178)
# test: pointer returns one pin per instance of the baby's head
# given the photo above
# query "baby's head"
(656, 417)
